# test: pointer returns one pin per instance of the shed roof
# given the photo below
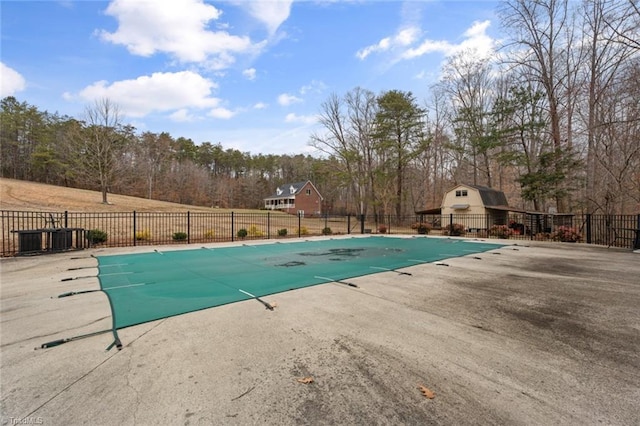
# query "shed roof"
(490, 197)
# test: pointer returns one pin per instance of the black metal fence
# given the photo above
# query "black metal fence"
(27, 232)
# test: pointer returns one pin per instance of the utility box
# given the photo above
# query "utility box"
(29, 241)
(61, 239)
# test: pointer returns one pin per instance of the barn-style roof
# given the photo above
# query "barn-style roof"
(491, 197)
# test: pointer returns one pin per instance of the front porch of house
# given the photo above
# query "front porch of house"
(280, 203)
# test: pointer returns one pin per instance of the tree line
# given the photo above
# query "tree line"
(552, 118)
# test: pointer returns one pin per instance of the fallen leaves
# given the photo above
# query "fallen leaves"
(427, 392)
(305, 380)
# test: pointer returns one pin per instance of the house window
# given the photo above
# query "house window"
(308, 192)
(461, 193)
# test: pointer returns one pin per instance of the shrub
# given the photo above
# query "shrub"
(208, 234)
(96, 236)
(455, 229)
(326, 231)
(541, 236)
(179, 236)
(242, 233)
(282, 232)
(143, 235)
(421, 227)
(566, 234)
(382, 229)
(253, 231)
(500, 231)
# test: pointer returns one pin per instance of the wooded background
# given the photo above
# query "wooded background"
(552, 119)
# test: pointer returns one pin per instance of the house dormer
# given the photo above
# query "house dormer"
(292, 190)
(278, 191)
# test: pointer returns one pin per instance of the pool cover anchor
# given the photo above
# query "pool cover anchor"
(79, 278)
(267, 305)
(116, 342)
(337, 281)
(73, 293)
(391, 270)
(59, 342)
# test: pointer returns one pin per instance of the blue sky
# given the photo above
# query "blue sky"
(250, 75)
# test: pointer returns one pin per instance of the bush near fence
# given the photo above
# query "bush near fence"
(158, 228)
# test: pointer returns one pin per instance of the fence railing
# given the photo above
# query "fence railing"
(26, 232)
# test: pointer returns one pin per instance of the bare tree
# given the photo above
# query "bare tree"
(540, 33)
(98, 144)
(607, 57)
(469, 85)
(348, 124)
(154, 155)
(623, 19)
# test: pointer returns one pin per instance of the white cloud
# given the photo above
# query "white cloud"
(475, 39)
(286, 99)
(11, 81)
(271, 13)
(315, 86)
(221, 113)
(250, 73)
(429, 46)
(178, 28)
(157, 92)
(404, 37)
(260, 105)
(182, 116)
(304, 119)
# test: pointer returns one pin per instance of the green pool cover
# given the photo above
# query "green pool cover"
(144, 287)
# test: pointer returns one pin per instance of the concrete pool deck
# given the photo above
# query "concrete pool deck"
(537, 334)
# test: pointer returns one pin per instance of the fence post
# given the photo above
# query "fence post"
(636, 243)
(531, 227)
(588, 228)
(233, 233)
(134, 228)
(299, 225)
(348, 223)
(66, 219)
(188, 227)
(361, 223)
(268, 225)
(450, 221)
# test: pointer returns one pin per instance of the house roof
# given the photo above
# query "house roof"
(289, 190)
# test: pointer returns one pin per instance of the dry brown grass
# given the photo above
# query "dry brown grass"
(32, 196)
(157, 221)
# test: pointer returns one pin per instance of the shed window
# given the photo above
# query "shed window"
(461, 193)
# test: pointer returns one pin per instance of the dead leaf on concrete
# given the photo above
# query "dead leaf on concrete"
(426, 392)
(306, 380)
